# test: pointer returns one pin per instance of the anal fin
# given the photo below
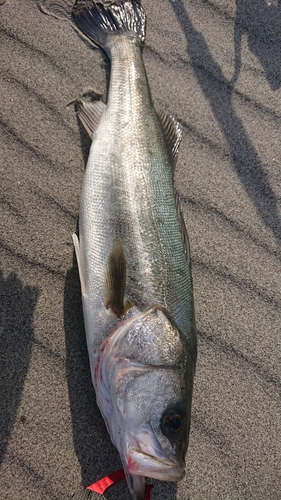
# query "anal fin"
(81, 269)
(89, 113)
(172, 133)
(184, 235)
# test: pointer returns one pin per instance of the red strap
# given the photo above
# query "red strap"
(103, 484)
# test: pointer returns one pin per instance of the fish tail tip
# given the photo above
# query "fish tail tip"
(98, 20)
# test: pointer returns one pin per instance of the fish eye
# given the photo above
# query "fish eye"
(172, 423)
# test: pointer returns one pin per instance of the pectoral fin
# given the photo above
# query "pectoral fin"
(81, 269)
(115, 278)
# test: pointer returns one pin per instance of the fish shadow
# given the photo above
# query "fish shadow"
(261, 22)
(17, 305)
(218, 91)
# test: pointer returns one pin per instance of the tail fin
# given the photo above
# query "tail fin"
(98, 21)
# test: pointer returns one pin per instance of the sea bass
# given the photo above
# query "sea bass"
(133, 259)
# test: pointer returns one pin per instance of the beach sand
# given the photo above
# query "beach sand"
(216, 67)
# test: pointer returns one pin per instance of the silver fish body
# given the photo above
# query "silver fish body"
(142, 356)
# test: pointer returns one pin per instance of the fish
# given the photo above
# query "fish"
(133, 258)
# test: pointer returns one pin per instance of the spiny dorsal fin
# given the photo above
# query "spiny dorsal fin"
(115, 278)
(89, 113)
(173, 134)
(184, 234)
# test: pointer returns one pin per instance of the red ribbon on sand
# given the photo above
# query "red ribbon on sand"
(103, 484)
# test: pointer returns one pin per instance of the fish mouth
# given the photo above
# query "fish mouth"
(143, 464)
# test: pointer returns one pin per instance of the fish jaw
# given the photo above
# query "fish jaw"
(145, 457)
(138, 464)
(142, 464)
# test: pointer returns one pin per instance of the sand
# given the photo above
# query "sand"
(216, 67)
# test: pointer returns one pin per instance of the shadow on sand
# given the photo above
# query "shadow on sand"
(218, 91)
(17, 305)
(261, 22)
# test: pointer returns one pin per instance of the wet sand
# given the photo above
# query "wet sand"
(216, 67)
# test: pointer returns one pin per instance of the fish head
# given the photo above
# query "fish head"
(144, 391)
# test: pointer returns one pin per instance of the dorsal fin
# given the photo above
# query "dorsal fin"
(115, 278)
(89, 113)
(173, 134)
